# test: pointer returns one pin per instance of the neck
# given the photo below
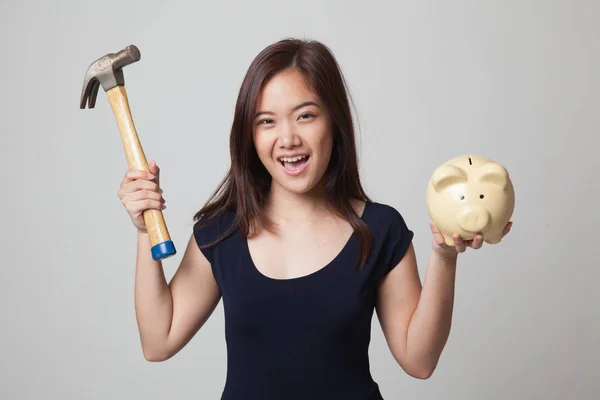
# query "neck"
(286, 207)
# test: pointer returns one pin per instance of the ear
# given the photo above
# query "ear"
(494, 173)
(447, 175)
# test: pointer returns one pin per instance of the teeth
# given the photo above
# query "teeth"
(292, 159)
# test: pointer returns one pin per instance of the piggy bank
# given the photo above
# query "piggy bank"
(468, 195)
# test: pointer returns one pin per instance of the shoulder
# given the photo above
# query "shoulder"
(208, 230)
(388, 225)
(392, 236)
(383, 216)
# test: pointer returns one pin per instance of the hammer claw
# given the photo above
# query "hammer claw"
(106, 72)
(89, 93)
(93, 94)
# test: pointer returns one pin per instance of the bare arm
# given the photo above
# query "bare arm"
(169, 314)
(416, 320)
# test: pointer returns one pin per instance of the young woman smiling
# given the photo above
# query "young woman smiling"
(299, 253)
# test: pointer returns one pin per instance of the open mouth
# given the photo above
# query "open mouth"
(294, 164)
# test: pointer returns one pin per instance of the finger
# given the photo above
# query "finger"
(135, 174)
(139, 190)
(144, 194)
(141, 184)
(136, 208)
(437, 235)
(477, 241)
(459, 243)
(154, 168)
(507, 228)
(156, 172)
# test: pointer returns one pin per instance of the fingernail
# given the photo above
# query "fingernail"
(150, 176)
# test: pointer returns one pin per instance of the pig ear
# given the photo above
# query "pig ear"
(494, 173)
(447, 175)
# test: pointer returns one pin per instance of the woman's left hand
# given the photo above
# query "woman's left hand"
(460, 245)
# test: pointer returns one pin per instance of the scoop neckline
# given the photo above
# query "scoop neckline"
(319, 271)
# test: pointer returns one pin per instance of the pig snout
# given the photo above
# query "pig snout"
(473, 219)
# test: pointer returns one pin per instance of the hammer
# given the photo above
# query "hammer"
(108, 72)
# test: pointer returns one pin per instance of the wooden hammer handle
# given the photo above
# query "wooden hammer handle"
(160, 240)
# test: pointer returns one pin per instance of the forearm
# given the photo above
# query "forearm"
(430, 325)
(153, 300)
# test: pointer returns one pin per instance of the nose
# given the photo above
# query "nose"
(473, 219)
(288, 137)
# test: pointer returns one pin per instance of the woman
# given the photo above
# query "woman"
(298, 252)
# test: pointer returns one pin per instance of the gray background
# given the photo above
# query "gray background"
(516, 81)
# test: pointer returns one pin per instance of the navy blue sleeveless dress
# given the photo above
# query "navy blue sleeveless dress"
(305, 338)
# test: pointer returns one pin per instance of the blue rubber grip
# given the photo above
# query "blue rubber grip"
(163, 250)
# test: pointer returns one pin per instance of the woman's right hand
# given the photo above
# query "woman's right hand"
(140, 191)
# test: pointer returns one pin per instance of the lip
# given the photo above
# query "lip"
(292, 155)
(298, 172)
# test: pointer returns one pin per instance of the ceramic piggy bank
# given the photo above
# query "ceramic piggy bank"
(470, 194)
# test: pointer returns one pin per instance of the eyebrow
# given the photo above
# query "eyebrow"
(299, 106)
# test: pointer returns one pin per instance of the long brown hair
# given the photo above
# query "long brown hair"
(244, 189)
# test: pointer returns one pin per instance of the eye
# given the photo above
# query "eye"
(265, 121)
(306, 115)
(481, 196)
(462, 197)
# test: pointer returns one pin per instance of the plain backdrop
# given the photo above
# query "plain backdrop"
(514, 81)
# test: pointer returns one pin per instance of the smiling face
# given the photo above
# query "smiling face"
(292, 133)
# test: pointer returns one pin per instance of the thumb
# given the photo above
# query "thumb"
(437, 235)
(154, 170)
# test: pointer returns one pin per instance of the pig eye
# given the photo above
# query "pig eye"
(481, 196)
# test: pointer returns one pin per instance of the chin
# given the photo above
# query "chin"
(302, 184)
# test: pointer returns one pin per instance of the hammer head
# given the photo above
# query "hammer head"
(106, 71)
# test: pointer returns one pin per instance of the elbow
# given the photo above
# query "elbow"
(153, 358)
(422, 374)
(155, 355)
(418, 370)
(419, 366)
(421, 370)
